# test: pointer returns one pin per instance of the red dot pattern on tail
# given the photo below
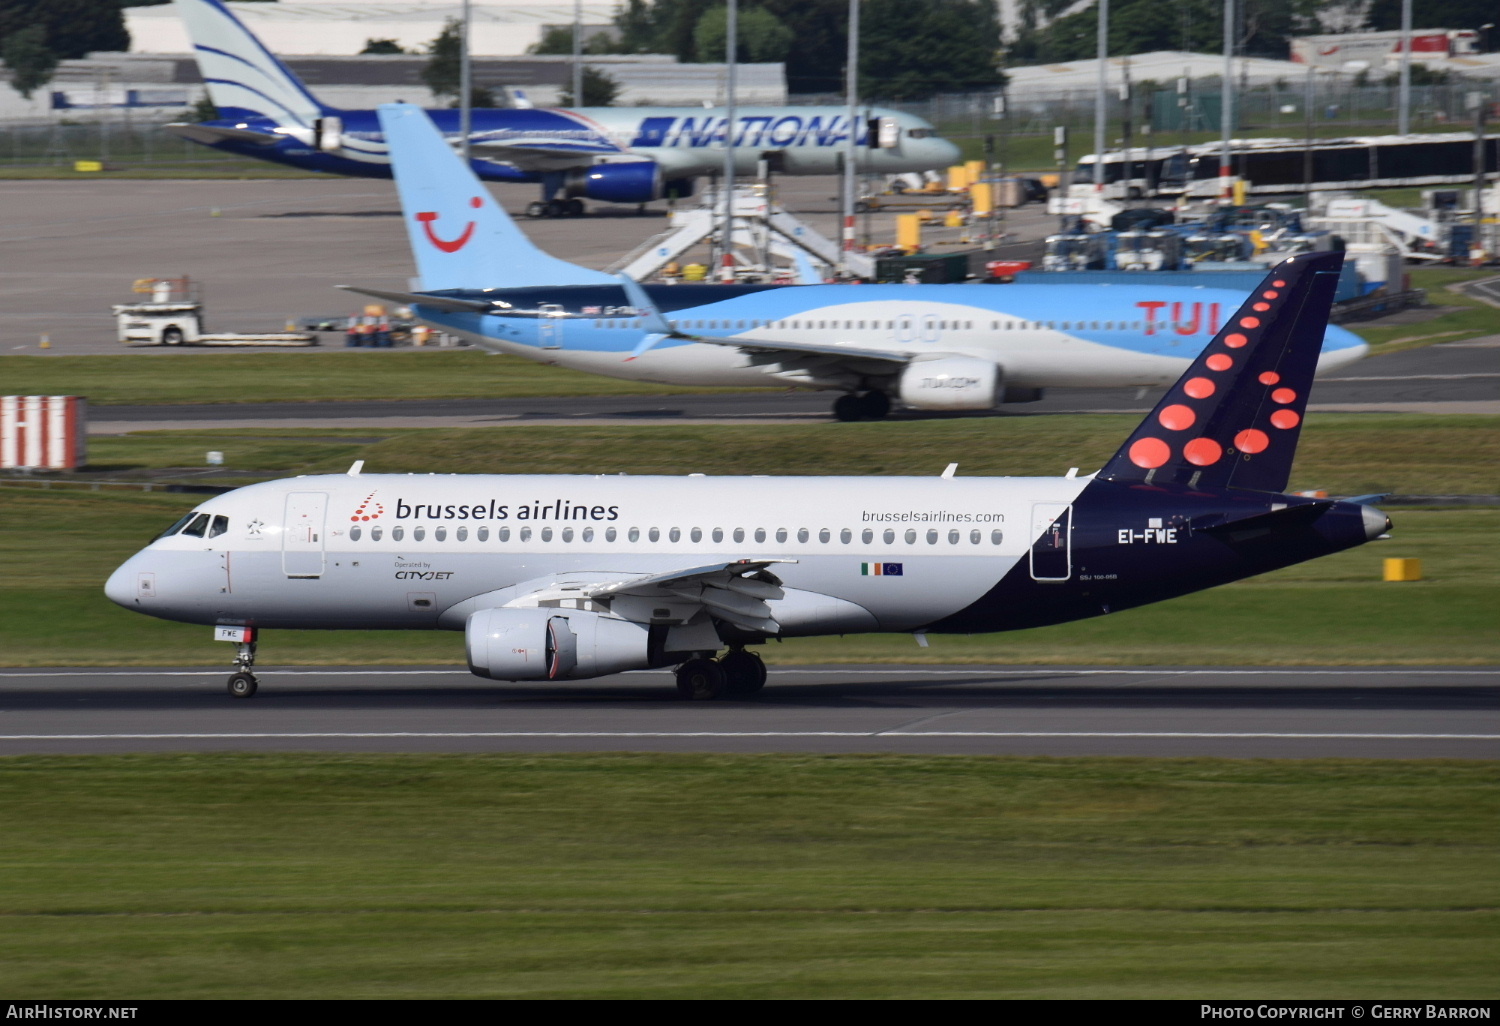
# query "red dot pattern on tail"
(1177, 417)
(1270, 378)
(1199, 388)
(1202, 452)
(1150, 453)
(1285, 419)
(1284, 395)
(1252, 441)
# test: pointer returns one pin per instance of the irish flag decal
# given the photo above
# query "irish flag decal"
(880, 569)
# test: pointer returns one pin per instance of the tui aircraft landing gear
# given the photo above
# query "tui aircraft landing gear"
(872, 405)
(701, 679)
(242, 682)
(744, 672)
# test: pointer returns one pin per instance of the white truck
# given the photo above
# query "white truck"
(174, 317)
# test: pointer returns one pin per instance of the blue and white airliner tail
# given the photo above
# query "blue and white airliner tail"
(940, 347)
(611, 154)
(244, 79)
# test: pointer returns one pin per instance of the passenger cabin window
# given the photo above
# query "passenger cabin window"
(439, 534)
(567, 534)
(482, 534)
(354, 534)
(462, 534)
(397, 533)
(546, 534)
(587, 534)
(374, 534)
(418, 533)
(503, 534)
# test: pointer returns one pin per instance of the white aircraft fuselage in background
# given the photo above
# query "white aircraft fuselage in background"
(943, 347)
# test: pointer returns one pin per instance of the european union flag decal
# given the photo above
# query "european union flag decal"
(880, 569)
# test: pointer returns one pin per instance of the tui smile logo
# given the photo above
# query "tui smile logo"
(368, 510)
(448, 245)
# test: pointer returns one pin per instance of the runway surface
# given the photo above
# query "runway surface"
(1460, 377)
(1376, 712)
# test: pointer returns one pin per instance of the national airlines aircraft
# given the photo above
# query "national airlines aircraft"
(613, 154)
(567, 577)
(938, 347)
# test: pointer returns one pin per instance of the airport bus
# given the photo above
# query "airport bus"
(1276, 166)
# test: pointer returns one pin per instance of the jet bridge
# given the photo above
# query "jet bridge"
(761, 233)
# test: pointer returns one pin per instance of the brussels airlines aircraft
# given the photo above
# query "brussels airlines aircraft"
(567, 577)
(938, 347)
(614, 154)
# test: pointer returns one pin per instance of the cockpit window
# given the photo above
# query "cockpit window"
(197, 527)
(919, 133)
(175, 527)
(218, 527)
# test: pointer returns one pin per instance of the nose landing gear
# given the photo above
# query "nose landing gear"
(242, 683)
(737, 674)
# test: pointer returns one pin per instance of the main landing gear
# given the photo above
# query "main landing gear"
(737, 674)
(871, 405)
(242, 683)
(555, 208)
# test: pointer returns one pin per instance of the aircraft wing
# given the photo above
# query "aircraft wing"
(538, 156)
(210, 134)
(448, 303)
(736, 592)
(660, 328)
(754, 345)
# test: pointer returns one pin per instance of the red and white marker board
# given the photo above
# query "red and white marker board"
(47, 432)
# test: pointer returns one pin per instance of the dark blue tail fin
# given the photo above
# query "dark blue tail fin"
(1233, 419)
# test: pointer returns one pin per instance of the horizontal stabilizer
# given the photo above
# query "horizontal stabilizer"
(411, 298)
(1246, 528)
(208, 135)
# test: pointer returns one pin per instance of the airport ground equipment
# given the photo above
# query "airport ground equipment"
(762, 232)
(173, 316)
(43, 432)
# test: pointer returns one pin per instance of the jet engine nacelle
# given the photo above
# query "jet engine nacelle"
(552, 644)
(635, 181)
(950, 383)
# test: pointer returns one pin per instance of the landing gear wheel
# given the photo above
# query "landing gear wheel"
(847, 408)
(744, 671)
(242, 685)
(536, 209)
(574, 207)
(556, 208)
(701, 680)
(875, 405)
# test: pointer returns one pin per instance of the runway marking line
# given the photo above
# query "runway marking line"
(737, 733)
(915, 671)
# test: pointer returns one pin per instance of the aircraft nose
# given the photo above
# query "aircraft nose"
(122, 586)
(945, 152)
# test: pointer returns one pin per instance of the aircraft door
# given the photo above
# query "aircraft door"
(1052, 552)
(549, 325)
(302, 534)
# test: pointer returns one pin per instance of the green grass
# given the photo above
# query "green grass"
(1344, 453)
(285, 876)
(59, 546)
(1469, 319)
(303, 377)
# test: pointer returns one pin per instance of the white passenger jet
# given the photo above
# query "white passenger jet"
(611, 154)
(933, 347)
(566, 577)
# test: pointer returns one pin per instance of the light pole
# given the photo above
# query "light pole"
(1226, 105)
(851, 152)
(1101, 48)
(578, 53)
(1403, 116)
(731, 46)
(465, 87)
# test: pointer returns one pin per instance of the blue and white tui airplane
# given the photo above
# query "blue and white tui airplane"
(612, 154)
(933, 347)
(568, 577)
